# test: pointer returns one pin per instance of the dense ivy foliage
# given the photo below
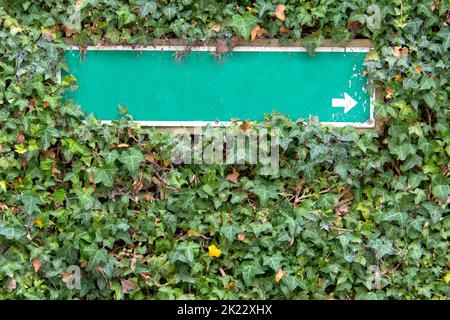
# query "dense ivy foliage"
(344, 204)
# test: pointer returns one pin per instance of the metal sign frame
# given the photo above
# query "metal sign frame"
(259, 46)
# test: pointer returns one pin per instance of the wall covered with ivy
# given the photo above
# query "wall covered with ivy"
(345, 207)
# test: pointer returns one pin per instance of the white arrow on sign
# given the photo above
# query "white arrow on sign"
(347, 103)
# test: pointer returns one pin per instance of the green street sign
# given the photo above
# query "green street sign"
(160, 90)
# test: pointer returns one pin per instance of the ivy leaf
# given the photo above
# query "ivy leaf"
(403, 150)
(109, 156)
(30, 202)
(48, 135)
(169, 12)
(264, 7)
(185, 252)
(441, 191)
(400, 217)
(291, 282)
(105, 174)
(434, 210)
(132, 159)
(249, 270)
(243, 24)
(85, 197)
(10, 232)
(425, 8)
(96, 256)
(273, 262)
(381, 247)
(312, 41)
(264, 193)
(147, 7)
(230, 231)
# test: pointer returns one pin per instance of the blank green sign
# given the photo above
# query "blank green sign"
(155, 86)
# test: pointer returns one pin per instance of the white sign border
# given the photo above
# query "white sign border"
(366, 125)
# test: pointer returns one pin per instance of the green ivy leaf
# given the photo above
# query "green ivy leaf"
(96, 256)
(230, 231)
(30, 202)
(441, 191)
(105, 174)
(85, 197)
(147, 7)
(243, 24)
(273, 262)
(264, 193)
(10, 232)
(381, 247)
(169, 12)
(249, 270)
(264, 7)
(132, 159)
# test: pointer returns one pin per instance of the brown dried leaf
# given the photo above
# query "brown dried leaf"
(65, 277)
(404, 52)
(389, 92)
(231, 284)
(354, 26)
(138, 186)
(149, 197)
(279, 275)
(279, 12)
(128, 285)
(222, 272)
(11, 285)
(55, 170)
(398, 78)
(284, 30)
(149, 157)
(90, 177)
(418, 69)
(254, 32)
(36, 264)
(221, 46)
(245, 126)
(396, 51)
(215, 27)
(20, 137)
(233, 177)
(69, 32)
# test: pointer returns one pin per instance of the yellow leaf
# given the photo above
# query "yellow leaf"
(447, 278)
(15, 30)
(372, 56)
(38, 222)
(48, 34)
(193, 233)
(2, 185)
(214, 251)
(21, 149)
(166, 163)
